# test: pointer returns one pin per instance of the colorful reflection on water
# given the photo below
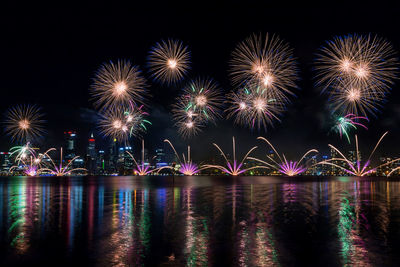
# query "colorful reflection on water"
(200, 221)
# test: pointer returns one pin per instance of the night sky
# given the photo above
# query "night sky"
(49, 55)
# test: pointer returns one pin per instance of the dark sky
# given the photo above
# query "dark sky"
(49, 54)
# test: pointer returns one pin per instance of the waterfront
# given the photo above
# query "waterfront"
(202, 221)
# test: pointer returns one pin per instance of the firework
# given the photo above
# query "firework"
(346, 123)
(60, 169)
(32, 170)
(187, 167)
(169, 61)
(266, 62)
(233, 167)
(367, 61)
(29, 166)
(24, 123)
(142, 168)
(22, 152)
(188, 122)
(200, 103)
(393, 171)
(356, 72)
(189, 127)
(289, 168)
(356, 168)
(118, 84)
(349, 98)
(122, 122)
(204, 98)
(27, 160)
(254, 107)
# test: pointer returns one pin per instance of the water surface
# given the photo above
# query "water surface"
(200, 221)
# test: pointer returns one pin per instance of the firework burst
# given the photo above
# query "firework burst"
(367, 61)
(233, 167)
(122, 122)
(203, 97)
(266, 62)
(254, 107)
(356, 168)
(169, 61)
(118, 84)
(348, 98)
(200, 103)
(346, 123)
(24, 123)
(289, 168)
(356, 72)
(187, 167)
(189, 127)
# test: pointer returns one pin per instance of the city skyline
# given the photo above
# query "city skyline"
(117, 158)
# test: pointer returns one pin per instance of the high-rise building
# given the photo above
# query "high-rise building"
(311, 162)
(160, 155)
(125, 162)
(146, 156)
(5, 162)
(112, 157)
(69, 145)
(324, 169)
(100, 162)
(334, 170)
(91, 155)
(79, 163)
(91, 149)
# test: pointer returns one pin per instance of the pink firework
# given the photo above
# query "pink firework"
(60, 169)
(32, 164)
(187, 167)
(143, 169)
(31, 171)
(346, 123)
(289, 168)
(356, 168)
(233, 167)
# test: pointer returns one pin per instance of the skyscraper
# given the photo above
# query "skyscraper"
(125, 162)
(324, 169)
(69, 145)
(91, 149)
(4, 162)
(334, 169)
(100, 162)
(112, 157)
(91, 155)
(311, 162)
(160, 158)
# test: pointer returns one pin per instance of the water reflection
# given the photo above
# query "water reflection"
(122, 221)
(17, 217)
